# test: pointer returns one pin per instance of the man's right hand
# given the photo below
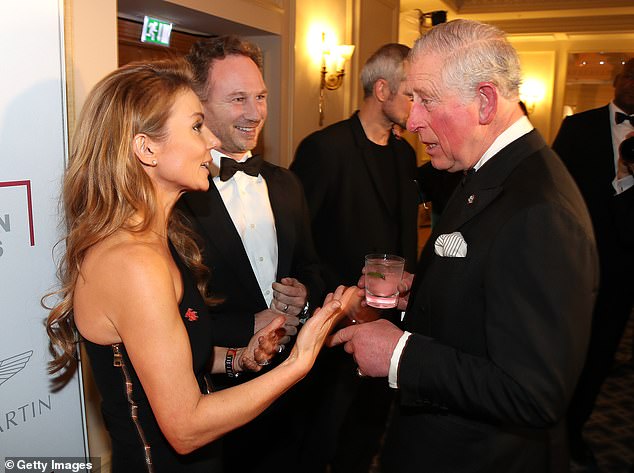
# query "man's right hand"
(371, 345)
(262, 319)
(404, 288)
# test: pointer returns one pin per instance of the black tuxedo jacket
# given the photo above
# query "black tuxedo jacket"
(499, 336)
(351, 215)
(625, 224)
(584, 143)
(232, 277)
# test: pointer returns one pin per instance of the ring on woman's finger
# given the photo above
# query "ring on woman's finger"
(285, 308)
(281, 348)
(264, 362)
(360, 373)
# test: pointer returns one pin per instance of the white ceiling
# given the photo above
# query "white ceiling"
(513, 16)
(539, 16)
(492, 6)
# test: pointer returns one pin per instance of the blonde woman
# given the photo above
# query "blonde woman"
(133, 284)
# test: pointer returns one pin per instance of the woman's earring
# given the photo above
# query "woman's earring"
(154, 163)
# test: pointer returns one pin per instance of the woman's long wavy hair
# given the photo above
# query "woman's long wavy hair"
(105, 184)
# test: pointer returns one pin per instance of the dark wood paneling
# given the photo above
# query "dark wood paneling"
(132, 49)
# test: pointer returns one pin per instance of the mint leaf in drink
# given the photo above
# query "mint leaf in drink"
(375, 274)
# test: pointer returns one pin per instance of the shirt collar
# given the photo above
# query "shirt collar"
(613, 109)
(518, 129)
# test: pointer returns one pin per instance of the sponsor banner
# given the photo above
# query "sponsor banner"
(35, 419)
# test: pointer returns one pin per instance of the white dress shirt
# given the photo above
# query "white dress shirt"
(619, 132)
(247, 201)
(518, 129)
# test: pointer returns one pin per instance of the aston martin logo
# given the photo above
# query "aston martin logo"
(11, 366)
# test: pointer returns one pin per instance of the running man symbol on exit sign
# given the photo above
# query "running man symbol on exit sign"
(156, 31)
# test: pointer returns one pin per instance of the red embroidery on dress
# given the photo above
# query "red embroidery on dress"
(191, 315)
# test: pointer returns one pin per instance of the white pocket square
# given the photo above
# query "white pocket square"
(451, 245)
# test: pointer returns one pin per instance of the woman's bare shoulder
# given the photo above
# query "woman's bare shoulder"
(120, 276)
(122, 256)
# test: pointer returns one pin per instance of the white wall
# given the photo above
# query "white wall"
(34, 419)
(368, 24)
(311, 20)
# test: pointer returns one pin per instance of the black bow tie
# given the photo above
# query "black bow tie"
(228, 167)
(621, 117)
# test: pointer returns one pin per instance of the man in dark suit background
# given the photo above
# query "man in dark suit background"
(256, 230)
(588, 144)
(498, 319)
(359, 180)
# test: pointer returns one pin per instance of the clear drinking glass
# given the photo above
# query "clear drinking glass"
(383, 272)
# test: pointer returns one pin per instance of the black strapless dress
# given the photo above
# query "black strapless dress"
(137, 442)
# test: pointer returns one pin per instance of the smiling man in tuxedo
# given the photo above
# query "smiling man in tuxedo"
(255, 225)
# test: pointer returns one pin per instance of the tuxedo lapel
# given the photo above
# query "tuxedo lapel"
(475, 196)
(486, 184)
(603, 142)
(221, 234)
(466, 204)
(278, 197)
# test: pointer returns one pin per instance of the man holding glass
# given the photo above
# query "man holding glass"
(498, 317)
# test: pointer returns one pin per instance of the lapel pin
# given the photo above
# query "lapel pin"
(471, 199)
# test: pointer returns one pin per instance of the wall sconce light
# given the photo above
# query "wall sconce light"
(333, 61)
(532, 92)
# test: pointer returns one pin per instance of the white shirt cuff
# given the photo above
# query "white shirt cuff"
(623, 184)
(392, 376)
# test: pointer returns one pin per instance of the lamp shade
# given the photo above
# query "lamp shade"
(345, 51)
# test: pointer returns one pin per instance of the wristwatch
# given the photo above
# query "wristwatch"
(229, 358)
(305, 314)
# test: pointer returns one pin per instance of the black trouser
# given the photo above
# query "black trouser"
(611, 314)
(347, 416)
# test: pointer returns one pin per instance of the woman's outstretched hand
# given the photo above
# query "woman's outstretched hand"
(355, 307)
(314, 332)
(263, 346)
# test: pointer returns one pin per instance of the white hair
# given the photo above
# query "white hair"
(472, 53)
(386, 63)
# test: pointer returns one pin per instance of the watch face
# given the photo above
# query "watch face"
(304, 315)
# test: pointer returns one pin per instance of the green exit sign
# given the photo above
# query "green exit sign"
(156, 31)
